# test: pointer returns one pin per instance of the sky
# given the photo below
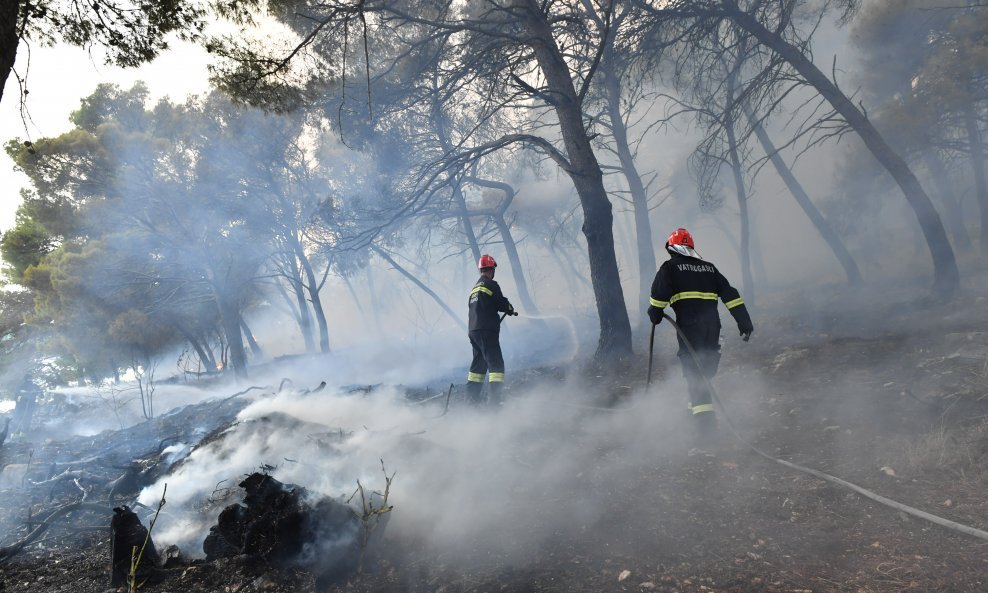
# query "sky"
(59, 77)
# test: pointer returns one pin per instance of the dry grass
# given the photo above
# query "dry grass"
(958, 450)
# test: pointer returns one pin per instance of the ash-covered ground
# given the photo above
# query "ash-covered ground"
(584, 480)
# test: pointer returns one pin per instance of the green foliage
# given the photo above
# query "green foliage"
(37, 277)
(922, 66)
(132, 35)
(72, 324)
(165, 217)
(109, 103)
(24, 245)
(922, 60)
(134, 330)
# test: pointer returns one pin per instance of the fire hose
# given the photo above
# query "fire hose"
(449, 392)
(813, 472)
(953, 525)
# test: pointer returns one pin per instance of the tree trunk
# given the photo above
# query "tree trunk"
(978, 165)
(9, 11)
(461, 205)
(584, 170)
(510, 247)
(205, 354)
(384, 255)
(300, 310)
(748, 285)
(230, 319)
(202, 352)
(313, 288)
(442, 135)
(639, 198)
(353, 295)
(375, 302)
(303, 317)
(727, 231)
(952, 209)
(803, 199)
(255, 348)
(527, 302)
(946, 275)
(758, 268)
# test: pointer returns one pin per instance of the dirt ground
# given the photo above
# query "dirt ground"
(901, 412)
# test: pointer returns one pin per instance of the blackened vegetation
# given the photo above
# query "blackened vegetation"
(57, 498)
(62, 491)
(284, 525)
(130, 542)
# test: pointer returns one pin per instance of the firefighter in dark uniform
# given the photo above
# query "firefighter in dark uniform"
(691, 286)
(27, 400)
(486, 301)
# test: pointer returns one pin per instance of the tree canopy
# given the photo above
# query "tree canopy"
(402, 134)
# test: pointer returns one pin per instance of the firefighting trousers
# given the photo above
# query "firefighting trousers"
(487, 356)
(704, 335)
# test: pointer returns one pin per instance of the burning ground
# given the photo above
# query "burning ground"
(580, 482)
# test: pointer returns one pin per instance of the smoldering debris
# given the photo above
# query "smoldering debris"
(285, 525)
(57, 496)
(62, 491)
(132, 551)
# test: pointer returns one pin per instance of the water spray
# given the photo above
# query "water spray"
(574, 340)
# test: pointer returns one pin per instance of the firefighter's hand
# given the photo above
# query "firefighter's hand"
(655, 315)
(746, 329)
(511, 311)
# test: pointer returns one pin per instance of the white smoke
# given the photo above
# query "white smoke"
(458, 476)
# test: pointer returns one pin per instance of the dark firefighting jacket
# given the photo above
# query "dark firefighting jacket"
(691, 287)
(486, 301)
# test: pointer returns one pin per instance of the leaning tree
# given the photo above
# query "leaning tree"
(520, 56)
(786, 28)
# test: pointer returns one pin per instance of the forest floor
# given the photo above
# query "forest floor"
(902, 412)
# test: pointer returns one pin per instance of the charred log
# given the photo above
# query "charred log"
(128, 537)
(282, 524)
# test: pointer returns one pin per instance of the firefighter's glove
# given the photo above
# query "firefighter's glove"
(746, 328)
(511, 311)
(655, 315)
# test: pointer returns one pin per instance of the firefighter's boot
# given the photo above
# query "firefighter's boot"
(706, 423)
(494, 396)
(705, 433)
(474, 393)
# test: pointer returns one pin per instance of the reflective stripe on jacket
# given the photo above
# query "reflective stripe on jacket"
(486, 301)
(691, 287)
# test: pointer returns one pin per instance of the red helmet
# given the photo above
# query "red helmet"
(486, 261)
(681, 237)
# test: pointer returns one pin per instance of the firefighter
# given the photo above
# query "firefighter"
(691, 286)
(27, 398)
(486, 301)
